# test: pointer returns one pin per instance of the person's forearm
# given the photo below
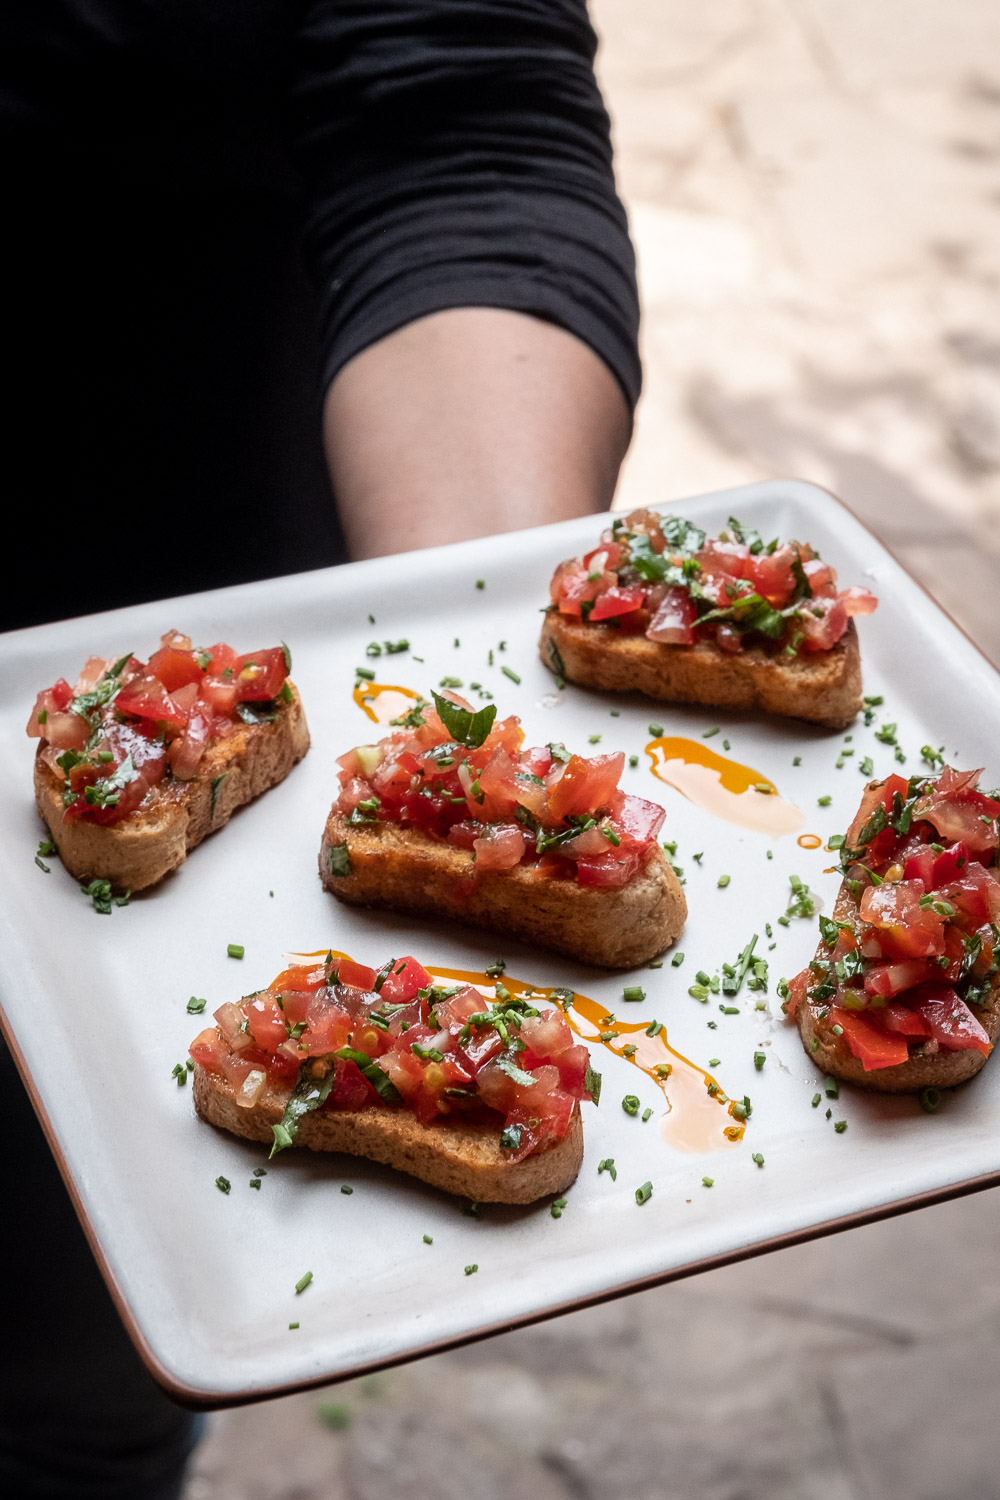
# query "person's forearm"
(470, 422)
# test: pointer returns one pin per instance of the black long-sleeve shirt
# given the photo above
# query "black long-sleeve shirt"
(167, 163)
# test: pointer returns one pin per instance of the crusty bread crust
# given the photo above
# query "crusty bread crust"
(176, 815)
(823, 687)
(402, 869)
(940, 1070)
(454, 1155)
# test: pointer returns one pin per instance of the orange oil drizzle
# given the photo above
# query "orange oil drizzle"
(381, 701)
(722, 786)
(809, 841)
(692, 1122)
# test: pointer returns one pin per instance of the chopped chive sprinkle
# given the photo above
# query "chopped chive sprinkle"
(630, 1104)
(293, 1325)
(654, 1028)
(556, 1207)
(815, 1100)
(633, 992)
(428, 1239)
(593, 739)
(823, 801)
(235, 950)
(509, 672)
(644, 1193)
(365, 672)
(345, 1187)
(708, 1182)
(656, 730)
(633, 761)
(709, 733)
(723, 881)
(196, 1006)
(840, 1126)
(302, 1283)
(759, 1059)
(758, 1158)
(831, 1088)
(223, 1184)
(255, 1182)
(713, 1062)
(480, 583)
(677, 960)
(608, 1165)
(646, 1114)
(471, 1270)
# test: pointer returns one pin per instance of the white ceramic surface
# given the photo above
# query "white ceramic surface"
(95, 1005)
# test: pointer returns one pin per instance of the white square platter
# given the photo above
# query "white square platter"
(94, 1007)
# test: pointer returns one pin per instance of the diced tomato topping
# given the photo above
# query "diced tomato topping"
(267, 1024)
(674, 619)
(358, 976)
(586, 784)
(894, 908)
(616, 601)
(175, 669)
(772, 574)
(443, 1057)
(928, 911)
(501, 847)
(132, 723)
(873, 1048)
(259, 675)
(658, 575)
(902, 1019)
(950, 1020)
(959, 811)
(822, 623)
(858, 602)
(892, 979)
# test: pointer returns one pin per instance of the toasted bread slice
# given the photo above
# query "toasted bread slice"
(459, 1157)
(176, 815)
(405, 870)
(823, 687)
(941, 1070)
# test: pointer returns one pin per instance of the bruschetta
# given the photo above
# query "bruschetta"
(731, 621)
(903, 993)
(478, 1097)
(139, 761)
(451, 817)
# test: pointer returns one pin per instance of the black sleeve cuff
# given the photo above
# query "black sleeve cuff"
(464, 163)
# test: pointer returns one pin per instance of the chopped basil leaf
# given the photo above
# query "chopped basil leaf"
(464, 726)
(338, 859)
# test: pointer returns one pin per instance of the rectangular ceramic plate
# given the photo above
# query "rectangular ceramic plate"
(206, 1281)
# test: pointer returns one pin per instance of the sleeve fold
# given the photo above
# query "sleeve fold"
(457, 153)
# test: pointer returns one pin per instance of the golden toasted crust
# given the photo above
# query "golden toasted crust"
(176, 815)
(404, 870)
(458, 1157)
(940, 1070)
(824, 687)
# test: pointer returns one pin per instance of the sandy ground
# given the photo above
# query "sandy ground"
(814, 188)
